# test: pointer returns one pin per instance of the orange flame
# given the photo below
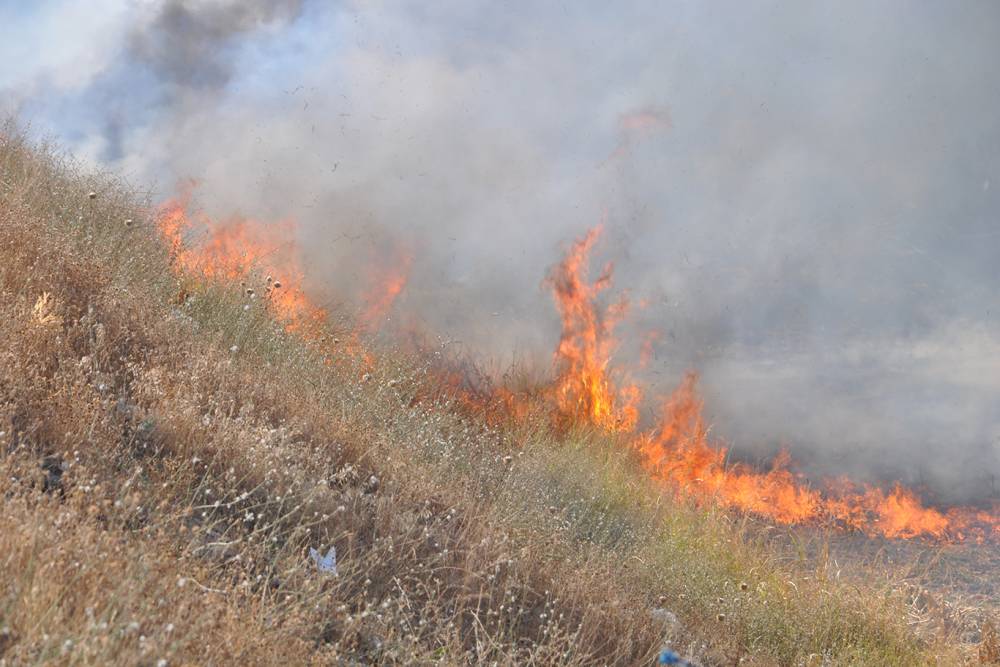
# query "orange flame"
(680, 453)
(388, 283)
(584, 391)
(239, 248)
(647, 351)
(236, 249)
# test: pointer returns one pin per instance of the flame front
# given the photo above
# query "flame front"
(680, 453)
(586, 389)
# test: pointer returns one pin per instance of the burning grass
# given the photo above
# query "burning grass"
(167, 463)
(680, 452)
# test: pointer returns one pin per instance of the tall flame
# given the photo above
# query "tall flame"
(584, 390)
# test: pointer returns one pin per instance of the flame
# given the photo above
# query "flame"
(266, 254)
(584, 390)
(680, 453)
(389, 281)
(237, 248)
(647, 351)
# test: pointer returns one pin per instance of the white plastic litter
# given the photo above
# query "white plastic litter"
(326, 564)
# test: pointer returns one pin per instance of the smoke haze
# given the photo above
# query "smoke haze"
(805, 198)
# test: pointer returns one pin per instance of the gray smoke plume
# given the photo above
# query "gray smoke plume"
(185, 43)
(804, 198)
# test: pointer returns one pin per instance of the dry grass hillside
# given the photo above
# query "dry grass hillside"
(169, 455)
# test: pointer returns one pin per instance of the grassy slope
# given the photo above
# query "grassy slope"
(164, 469)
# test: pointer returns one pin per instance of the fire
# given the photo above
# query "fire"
(681, 454)
(649, 342)
(265, 254)
(584, 390)
(236, 249)
(386, 287)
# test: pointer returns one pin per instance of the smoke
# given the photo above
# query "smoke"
(803, 198)
(184, 45)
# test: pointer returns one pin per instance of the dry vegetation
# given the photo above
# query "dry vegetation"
(166, 464)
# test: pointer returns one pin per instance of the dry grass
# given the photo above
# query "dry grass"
(165, 468)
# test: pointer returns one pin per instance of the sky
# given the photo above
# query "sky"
(803, 197)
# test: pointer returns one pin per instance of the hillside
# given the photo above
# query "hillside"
(171, 453)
